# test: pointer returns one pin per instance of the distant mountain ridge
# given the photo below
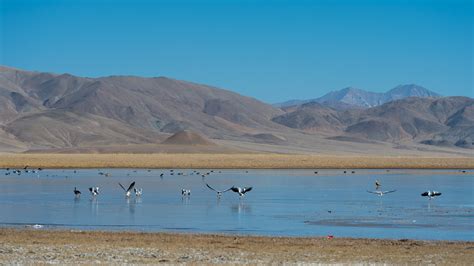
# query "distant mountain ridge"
(60, 112)
(357, 98)
(447, 121)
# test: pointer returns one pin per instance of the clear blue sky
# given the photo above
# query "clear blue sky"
(270, 50)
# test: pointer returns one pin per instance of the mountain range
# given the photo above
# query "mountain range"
(65, 113)
(357, 98)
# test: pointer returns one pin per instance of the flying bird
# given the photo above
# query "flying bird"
(431, 194)
(128, 191)
(77, 193)
(381, 193)
(94, 191)
(241, 191)
(219, 192)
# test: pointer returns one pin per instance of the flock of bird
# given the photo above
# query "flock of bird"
(185, 193)
(241, 191)
(430, 193)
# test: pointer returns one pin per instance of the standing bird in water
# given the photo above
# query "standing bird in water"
(431, 194)
(128, 191)
(77, 193)
(185, 192)
(377, 184)
(94, 191)
(138, 192)
(241, 191)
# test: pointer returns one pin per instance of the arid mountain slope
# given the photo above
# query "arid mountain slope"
(41, 111)
(49, 110)
(437, 121)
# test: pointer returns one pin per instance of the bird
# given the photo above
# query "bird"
(219, 192)
(431, 194)
(77, 193)
(241, 191)
(185, 192)
(128, 191)
(381, 193)
(377, 184)
(138, 191)
(94, 191)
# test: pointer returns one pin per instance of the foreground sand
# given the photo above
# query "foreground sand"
(244, 161)
(66, 247)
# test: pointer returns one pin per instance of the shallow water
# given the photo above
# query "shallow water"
(282, 202)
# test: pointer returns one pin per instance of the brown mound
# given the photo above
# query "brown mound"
(187, 137)
(268, 138)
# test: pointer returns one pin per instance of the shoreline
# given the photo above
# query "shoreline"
(27, 246)
(230, 161)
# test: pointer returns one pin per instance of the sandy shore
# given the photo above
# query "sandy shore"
(87, 247)
(223, 161)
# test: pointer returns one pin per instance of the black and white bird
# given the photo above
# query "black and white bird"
(381, 193)
(128, 191)
(431, 194)
(377, 184)
(241, 191)
(138, 191)
(94, 191)
(185, 192)
(77, 193)
(219, 192)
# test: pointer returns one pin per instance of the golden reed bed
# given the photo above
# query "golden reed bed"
(228, 161)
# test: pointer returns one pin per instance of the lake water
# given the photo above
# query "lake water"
(282, 202)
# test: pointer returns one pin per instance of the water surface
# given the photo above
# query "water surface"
(282, 202)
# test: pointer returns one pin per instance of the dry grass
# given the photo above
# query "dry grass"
(66, 247)
(244, 161)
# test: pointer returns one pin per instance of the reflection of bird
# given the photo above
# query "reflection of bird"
(185, 192)
(377, 184)
(241, 191)
(138, 191)
(129, 190)
(381, 193)
(219, 192)
(77, 193)
(94, 191)
(431, 194)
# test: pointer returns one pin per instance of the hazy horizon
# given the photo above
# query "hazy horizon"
(272, 51)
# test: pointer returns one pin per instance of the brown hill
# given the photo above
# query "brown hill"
(51, 110)
(312, 116)
(40, 111)
(187, 138)
(436, 121)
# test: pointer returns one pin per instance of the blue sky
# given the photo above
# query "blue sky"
(270, 50)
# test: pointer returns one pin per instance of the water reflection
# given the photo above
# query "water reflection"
(241, 208)
(94, 206)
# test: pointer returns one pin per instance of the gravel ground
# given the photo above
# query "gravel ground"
(29, 246)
